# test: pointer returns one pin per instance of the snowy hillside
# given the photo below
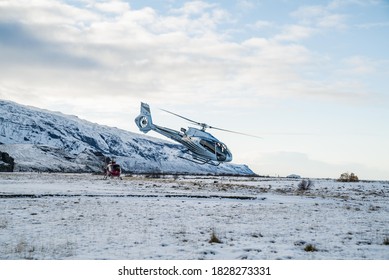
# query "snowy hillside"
(41, 140)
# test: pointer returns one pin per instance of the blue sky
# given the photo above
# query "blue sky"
(310, 77)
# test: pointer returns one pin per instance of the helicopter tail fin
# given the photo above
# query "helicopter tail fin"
(144, 121)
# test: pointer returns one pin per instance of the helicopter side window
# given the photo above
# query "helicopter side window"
(208, 145)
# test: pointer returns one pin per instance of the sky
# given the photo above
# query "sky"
(309, 77)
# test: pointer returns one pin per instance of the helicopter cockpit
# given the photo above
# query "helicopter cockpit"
(219, 149)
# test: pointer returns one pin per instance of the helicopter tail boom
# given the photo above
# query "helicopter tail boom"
(144, 120)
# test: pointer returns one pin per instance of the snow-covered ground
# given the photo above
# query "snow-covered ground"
(82, 216)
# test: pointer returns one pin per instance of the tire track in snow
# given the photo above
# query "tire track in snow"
(13, 196)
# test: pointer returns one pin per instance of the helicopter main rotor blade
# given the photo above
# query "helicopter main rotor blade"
(236, 132)
(205, 126)
(192, 121)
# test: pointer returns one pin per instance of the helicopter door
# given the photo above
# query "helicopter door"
(208, 145)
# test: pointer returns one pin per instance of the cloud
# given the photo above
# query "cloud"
(294, 33)
(320, 17)
(23, 47)
(371, 25)
(335, 4)
(359, 65)
(108, 48)
(45, 12)
(194, 8)
(115, 7)
(137, 51)
(259, 24)
(245, 5)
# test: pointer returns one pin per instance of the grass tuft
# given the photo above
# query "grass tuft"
(214, 238)
(3, 223)
(310, 248)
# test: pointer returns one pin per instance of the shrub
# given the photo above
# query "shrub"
(345, 177)
(386, 241)
(305, 185)
(310, 248)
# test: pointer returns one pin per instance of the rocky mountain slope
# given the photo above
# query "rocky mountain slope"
(40, 140)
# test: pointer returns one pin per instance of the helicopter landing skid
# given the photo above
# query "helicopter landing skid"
(201, 161)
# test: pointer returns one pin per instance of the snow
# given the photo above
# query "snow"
(82, 216)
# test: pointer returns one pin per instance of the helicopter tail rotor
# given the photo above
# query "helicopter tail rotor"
(144, 120)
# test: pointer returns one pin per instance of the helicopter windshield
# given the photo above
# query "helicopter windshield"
(217, 148)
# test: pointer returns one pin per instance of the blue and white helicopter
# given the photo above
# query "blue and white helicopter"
(201, 145)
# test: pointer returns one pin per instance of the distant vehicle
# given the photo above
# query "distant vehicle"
(293, 176)
(201, 145)
(112, 170)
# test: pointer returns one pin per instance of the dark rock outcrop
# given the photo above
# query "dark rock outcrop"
(7, 163)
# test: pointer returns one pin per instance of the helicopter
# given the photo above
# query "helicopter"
(201, 145)
(112, 169)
